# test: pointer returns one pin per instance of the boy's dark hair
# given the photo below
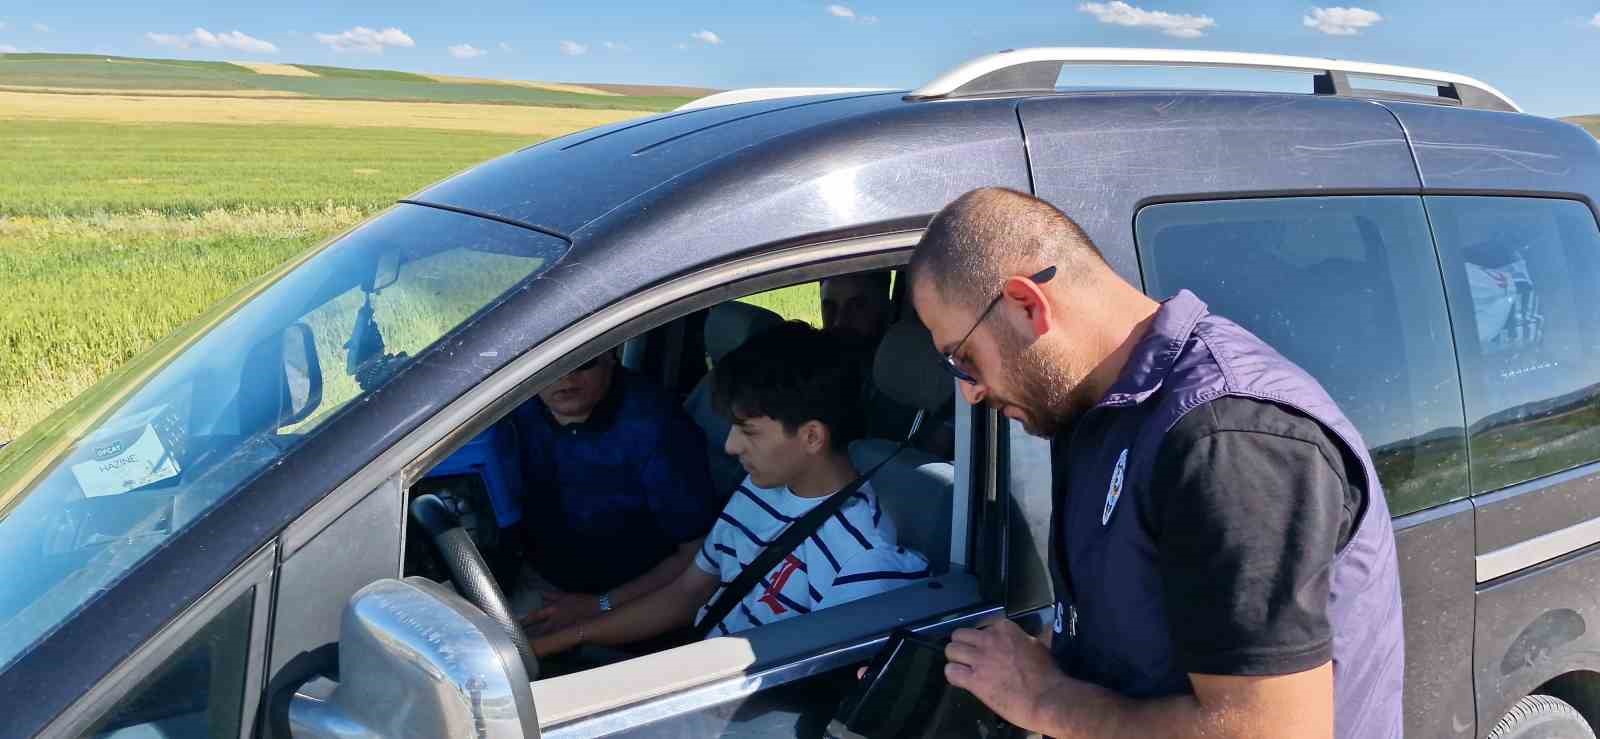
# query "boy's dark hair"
(792, 373)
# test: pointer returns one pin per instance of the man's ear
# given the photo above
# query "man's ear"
(1028, 296)
(814, 435)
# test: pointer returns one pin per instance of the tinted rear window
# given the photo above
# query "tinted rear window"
(1522, 276)
(1349, 289)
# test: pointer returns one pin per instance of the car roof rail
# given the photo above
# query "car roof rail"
(752, 94)
(1036, 70)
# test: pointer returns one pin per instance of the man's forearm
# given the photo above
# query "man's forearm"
(1079, 709)
(658, 577)
(654, 614)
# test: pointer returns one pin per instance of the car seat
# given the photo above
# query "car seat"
(728, 325)
(916, 488)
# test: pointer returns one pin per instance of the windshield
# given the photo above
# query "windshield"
(87, 494)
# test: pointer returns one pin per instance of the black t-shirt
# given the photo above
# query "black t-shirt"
(1250, 502)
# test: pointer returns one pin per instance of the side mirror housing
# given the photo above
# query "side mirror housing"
(417, 660)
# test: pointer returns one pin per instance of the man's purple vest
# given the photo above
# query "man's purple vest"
(1111, 626)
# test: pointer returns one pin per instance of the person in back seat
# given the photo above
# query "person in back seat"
(788, 393)
(612, 466)
(858, 310)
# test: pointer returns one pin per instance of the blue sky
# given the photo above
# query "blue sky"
(1545, 54)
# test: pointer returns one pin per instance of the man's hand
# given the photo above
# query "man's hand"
(1014, 675)
(555, 642)
(562, 610)
(1010, 671)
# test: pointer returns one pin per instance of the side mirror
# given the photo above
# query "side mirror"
(302, 375)
(416, 660)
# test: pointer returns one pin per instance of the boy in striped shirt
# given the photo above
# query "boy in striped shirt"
(792, 396)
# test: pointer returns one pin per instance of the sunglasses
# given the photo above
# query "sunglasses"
(955, 365)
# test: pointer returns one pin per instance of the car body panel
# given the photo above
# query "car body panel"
(1100, 156)
(1435, 551)
(1485, 151)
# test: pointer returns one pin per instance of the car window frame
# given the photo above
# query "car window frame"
(1430, 257)
(258, 573)
(495, 397)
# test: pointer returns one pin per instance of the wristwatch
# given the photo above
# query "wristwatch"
(605, 602)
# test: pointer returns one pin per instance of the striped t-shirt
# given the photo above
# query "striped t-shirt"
(853, 555)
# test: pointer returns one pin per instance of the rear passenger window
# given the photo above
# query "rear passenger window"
(1521, 274)
(1349, 289)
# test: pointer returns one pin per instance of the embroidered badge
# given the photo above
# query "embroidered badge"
(1058, 617)
(1116, 488)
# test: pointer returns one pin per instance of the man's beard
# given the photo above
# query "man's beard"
(1045, 389)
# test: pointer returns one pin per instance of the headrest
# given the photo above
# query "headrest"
(729, 325)
(910, 370)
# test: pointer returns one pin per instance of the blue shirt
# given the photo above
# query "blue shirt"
(609, 498)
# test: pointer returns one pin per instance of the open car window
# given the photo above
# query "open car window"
(490, 481)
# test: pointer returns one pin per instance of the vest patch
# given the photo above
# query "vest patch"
(1115, 492)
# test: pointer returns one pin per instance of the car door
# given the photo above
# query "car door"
(1349, 289)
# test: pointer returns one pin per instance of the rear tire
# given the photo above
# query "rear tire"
(1542, 717)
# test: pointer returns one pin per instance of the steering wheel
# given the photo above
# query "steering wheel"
(470, 573)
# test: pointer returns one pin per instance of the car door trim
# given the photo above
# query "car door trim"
(741, 686)
(1541, 548)
(423, 447)
(257, 572)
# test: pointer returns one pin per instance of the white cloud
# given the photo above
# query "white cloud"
(1340, 21)
(7, 49)
(706, 37)
(167, 39)
(506, 48)
(615, 46)
(1172, 24)
(848, 13)
(41, 28)
(1595, 21)
(681, 47)
(365, 40)
(234, 40)
(573, 48)
(466, 51)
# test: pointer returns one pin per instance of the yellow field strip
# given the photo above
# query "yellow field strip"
(551, 86)
(281, 70)
(155, 93)
(123, 108)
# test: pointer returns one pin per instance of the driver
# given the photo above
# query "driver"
(618, 495)
(791, 401)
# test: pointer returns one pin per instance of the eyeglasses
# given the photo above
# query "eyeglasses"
(954, 365)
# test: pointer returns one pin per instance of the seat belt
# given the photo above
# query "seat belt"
(780, 547)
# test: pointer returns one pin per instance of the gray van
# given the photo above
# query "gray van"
(216, 540)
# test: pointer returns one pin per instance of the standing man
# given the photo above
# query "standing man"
(1223, 559)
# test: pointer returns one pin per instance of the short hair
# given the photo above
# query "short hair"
(877, 281)
(973, 244)
(792, 373)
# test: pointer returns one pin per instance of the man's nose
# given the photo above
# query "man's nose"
(728, 446)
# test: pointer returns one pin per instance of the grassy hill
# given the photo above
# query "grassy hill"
(1589, 122)
(89, 72)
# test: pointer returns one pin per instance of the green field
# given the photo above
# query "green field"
(69, 168)
(122, 73)
(111, 236)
